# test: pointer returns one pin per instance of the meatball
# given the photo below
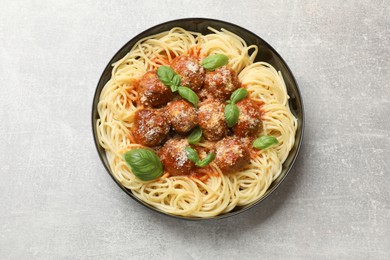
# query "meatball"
(190, 71)
(249, 121)
(220, 83)
(150, 127)
(231, 155)
(174, 157)
(211, 119)
(152, 91)
(182, 116)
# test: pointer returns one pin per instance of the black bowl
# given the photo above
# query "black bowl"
(266, 53)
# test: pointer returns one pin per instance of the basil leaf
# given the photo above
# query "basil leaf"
(231, 114)
(174, 88)
(188, 94)
(238, 95)
(264, 142)
(195, 136)
(192, 154)
(205, 161)
(176, 80)
(213, 62)
(144, 163)
(166, 75)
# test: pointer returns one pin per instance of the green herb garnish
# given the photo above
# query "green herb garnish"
(264, 142)
(192, 154)
(238, 95)
(195, 136)
(189, 95)
(168, 77)
(231, 114)
(194, 157)
(172, 80)
(144, 163)
(213, 62)
(205, 161)
(231, 110)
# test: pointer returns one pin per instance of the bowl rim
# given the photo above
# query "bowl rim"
(269, 191)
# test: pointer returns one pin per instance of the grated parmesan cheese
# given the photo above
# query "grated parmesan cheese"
(193, 67)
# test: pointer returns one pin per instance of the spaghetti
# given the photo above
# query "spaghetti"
(216, 193)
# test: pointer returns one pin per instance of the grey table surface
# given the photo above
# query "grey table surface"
(57, 201)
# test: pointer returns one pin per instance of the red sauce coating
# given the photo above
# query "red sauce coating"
(150, 127)
(249, 121)
(220, 83)
(231, 155)
(174, 157)
(211, 120)
(152, 91)
(182, 116)
(191, 72)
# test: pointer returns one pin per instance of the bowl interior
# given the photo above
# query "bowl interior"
(266, 53)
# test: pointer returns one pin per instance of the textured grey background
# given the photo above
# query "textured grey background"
(57, 201)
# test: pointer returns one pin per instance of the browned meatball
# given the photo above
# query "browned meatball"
(249, 121)
(150, 127)
(211, 120)
(174, 157)
(190, 71)
(152, 91)
(220, 83)
(231, 155)
(182, 116)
